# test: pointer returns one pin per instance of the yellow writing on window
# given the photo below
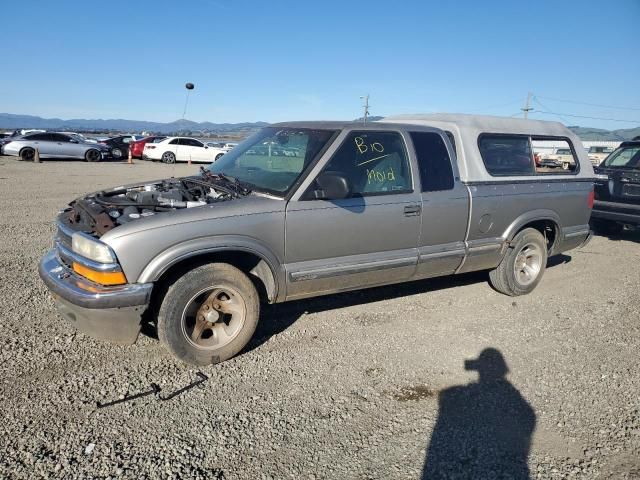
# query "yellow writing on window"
(364, 148)
(380, 176)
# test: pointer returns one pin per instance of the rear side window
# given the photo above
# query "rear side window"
(506, 155)
(175, 141)
(434, 163)
(553, 156)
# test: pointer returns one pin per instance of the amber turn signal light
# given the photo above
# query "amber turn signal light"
(103, 278)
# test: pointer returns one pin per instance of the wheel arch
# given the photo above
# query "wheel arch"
(259, 264)
(546, 222)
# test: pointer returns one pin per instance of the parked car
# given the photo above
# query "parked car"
(560, 158)
(181, 149)
(617, 190)
(54, 145)
(137, 147)
(80, 136)
(120, 145)
(597, 154)
(362, 205)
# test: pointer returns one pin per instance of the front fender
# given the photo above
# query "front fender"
(192, 248)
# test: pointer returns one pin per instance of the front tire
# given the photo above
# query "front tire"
(116, 153)
(218, 156)
(27, 154)
(168, 157)
(209, 314)
(523, 266)
(93, 155)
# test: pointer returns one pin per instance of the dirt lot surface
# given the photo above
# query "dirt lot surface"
(369, 384)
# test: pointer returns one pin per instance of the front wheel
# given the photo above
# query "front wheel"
(169, 157)
(116, 153)
(523, 265)
(219, 155)
(208, 315)
(92, 155)
(27, 154)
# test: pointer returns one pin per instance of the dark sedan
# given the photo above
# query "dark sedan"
(120, 145)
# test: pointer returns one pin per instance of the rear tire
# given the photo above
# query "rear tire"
(27, 154)
(168, 157)
(218, 156)
(209, 314)
(93, 155)
(523, 266)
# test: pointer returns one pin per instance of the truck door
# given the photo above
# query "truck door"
(368, 238)
(445, 206)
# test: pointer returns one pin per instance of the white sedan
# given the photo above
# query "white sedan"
(181, 149)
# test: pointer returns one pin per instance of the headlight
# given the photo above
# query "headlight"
(88, 247)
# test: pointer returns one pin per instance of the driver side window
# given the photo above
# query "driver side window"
(374, 163)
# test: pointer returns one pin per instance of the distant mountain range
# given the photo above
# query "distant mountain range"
(10, 121)
(586, 133)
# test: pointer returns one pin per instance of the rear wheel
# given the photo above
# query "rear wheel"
(27, 154)
(208, 315)
(93, 155)
(169, 157)
(523, 265)
(219, 155)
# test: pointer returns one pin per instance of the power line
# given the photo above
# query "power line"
(590, 104)
(591, 118)
(535, 99)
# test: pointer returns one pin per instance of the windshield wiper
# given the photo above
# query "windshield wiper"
(230, 184)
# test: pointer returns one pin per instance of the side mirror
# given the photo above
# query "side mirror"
(74, 141)
(331, 186)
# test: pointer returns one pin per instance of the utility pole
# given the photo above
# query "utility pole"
(527, 108)
(365, 107)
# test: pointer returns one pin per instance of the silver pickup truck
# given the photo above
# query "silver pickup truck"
(358, 205)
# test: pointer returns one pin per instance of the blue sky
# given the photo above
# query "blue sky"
(286, 60)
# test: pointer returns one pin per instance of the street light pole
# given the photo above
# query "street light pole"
(365, 107)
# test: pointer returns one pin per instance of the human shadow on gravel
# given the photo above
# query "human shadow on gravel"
(483, 429)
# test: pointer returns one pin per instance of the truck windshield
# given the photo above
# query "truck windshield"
(274, 158)
(625, 157)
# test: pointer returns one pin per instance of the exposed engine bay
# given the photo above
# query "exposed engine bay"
(102, 211)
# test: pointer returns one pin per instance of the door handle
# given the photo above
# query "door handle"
(412, 210)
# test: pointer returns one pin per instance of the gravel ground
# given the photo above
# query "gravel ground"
(359, 385)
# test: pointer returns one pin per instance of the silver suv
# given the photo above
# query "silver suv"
(359, 206)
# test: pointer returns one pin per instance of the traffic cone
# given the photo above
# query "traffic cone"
(130, 160)
(36, 158)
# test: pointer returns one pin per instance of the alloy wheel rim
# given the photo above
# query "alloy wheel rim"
(213, 317)
(528, 264)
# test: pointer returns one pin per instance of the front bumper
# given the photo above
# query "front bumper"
(617, 212)
(106, 313)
